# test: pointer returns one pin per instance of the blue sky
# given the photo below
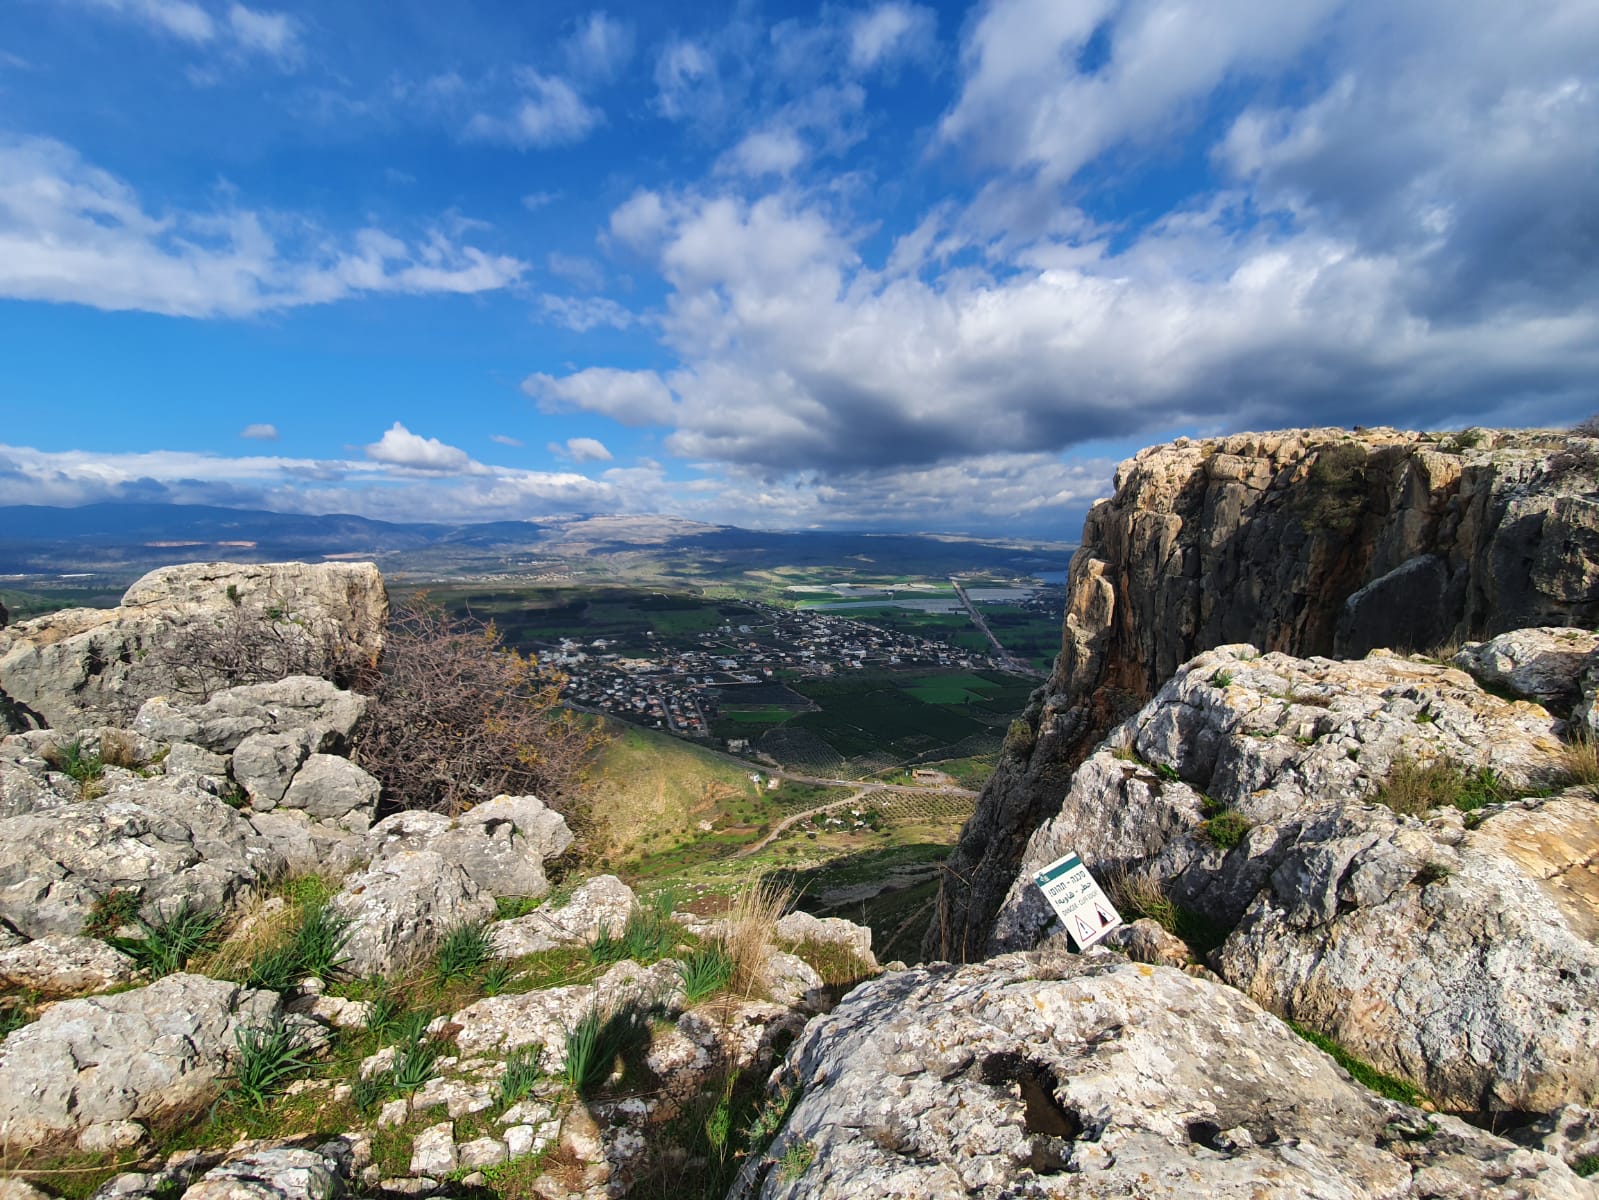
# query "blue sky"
(882, 265)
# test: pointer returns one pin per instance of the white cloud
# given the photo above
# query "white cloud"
(581, 449)
(768, 152)
(399, 447)
(600, 47)
(583, 313)
(631, 397)
(685, 79)
(239, 29)
(890, 31)
(72, 233)
(260, 433)
(551, 113)
(534, 201)
(575, 268)
(505, 439)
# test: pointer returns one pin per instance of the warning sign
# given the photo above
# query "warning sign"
(1083, 908)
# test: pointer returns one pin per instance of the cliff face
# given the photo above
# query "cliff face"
(1309, 542)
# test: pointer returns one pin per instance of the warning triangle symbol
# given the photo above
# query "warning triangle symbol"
(1100, 913)
(1083, 931)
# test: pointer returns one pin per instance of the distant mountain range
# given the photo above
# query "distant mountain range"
(124, 540)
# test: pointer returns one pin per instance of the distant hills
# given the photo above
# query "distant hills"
(125, 540)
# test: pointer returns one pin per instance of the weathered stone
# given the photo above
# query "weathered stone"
(1091, 1076)
(132, 1056)
(1545, 666)
(502, 844)
(1146, 942)
(791, 981)
(287, 1172)
(61, 965)
(482, 1152)
(165, 839)
(1267, 538)
(330, 788)
(310, 847)
(398, 909)
(433, 1150)
(264, 763)
(74, 668)
(222, 723)
(185, 758)
(802, 926)
(603, 902)
(1463, 959)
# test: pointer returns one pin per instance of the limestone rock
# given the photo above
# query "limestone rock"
(185, 758)
(264, 763)
(1545, 666)
(603, 902)
(502, 844)
(165, 839)
(1092, 1076)
(1146, 942)
(310, 847)
(62, 965)
(802, 926)
(132, 1056)
(1465, 959)
(399, 907)
(222, 723)
(1309, 542)
(73, 668)
(330, 788)
(433, 1150)
(793, 982)
(287, 1172)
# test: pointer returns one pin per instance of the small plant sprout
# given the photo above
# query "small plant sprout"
(463, 951)
(522, 1072)
(266, 1056)
(170, 941)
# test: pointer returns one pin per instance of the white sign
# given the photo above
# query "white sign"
(1083, 908)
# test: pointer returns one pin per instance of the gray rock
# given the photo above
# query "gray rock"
(330, 788)
(185, 758)
(1090, 1076)
(802, 926)
(165, 839)
(132, 1056)
(287, 1172)
(1545, 666)
(604, 902)
(264, 763)
(61, 965)
(1267, 538)
(399, 907)
(1390, 934)
(300, 702)
(74, 668)
(502, 844)
(433, 1150)
(482, 1152)
(310, 847)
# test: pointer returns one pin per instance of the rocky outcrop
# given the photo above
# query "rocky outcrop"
(86, 666)
(502, 844)
(93, 1070)
(1458, 950)
(164, 840)
(61, 965)
(1056, 1074)
(602, 903)
(1307, 542)
(399, 907)
(226, 721)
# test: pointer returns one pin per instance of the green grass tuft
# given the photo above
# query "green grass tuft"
(707, 970)
(1226, 829)
(1361, 1071)
(170, 941)
(463, 951)
(267, 1056)
(522, 1073)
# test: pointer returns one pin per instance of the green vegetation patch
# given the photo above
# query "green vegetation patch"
(1361, 1071)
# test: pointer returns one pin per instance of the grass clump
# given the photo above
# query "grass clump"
(463, 951)
(1226, 829)
(522, 1073)
(796, 1160)
(1413, 788)
(314, 948)
(751, 921)
(649, 935)
(1579, 761)
(267, 1056)
(73, 761)
(168, 942)
(110, 912)
(1587, 1165)
(707, 970)
(1361, 1071)
(598, 1041)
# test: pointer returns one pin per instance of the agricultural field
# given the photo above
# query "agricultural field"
(1025, 632)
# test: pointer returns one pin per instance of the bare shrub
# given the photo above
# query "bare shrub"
(457, 717)
(248, 644)
(1579, 760)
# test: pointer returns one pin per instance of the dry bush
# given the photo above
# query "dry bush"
(256, 645)
(456, 717)
(751, 925)
(1579, 761)
(1140, 894)
(119, 748)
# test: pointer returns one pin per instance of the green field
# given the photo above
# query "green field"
(1025, 632)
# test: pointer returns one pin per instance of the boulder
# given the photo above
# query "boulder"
(73, 668)
(1545, 666)
(310, 847)
(164, 839)
(502, 844)
(287, 1172)
(300, 702)
(265, 763)
(62, 965)
(803, 927)
(1092, 1076)
(330, 788)
(1459, 952)
(604, 902)
(399, 907)
(104, 1061)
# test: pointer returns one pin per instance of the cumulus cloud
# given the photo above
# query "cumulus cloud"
(73, 233)
(890, 31)
(505, 439)
(583, 313)
(581, 449)
(549, 113)
(399, 447)
(631, 397)
(600, 47)
(260, 433)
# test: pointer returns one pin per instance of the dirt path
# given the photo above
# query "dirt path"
(782, 826)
